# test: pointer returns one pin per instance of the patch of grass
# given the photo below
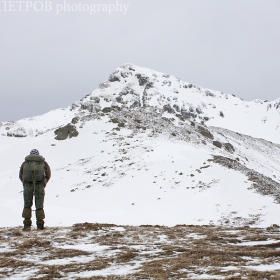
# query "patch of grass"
(16, 232)
(180, 252)
(34, 243)
(60, 253)
(125, 257)
(91, 226)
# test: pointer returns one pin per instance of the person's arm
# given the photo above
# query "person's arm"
(47, 172)
(21, 173)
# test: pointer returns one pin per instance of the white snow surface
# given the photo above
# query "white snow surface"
(108, 177)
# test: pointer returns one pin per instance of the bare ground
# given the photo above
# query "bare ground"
(104, 251)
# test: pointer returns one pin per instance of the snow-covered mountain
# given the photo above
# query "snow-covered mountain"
(148, 148)
(132, 86)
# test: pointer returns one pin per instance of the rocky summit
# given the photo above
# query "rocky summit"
(133, 87)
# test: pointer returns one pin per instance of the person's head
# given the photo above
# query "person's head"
(34, 152)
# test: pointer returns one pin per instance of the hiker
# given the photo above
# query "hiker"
(34, 174)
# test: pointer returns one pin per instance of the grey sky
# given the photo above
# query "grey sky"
(49, 61)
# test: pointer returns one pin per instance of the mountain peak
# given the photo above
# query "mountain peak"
(132, 86)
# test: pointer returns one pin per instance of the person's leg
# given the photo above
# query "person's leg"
(39, 203)
(28, 190)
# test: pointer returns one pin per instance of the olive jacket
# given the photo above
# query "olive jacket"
(47, 175)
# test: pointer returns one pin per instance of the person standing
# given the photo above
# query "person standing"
(34, 174)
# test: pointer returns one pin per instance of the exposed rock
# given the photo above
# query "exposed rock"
(135, 104)
(119, 99)
(217, 144)
(95, 99)
(74, 106)
(114, 77)
(142, 79)
(209, 93)
(19, 132)
(91, 106)
(261, 184)
(75, 120)
(205, 132)
(126, 74)
(176, 107)
(146, 95)
(221, 114)
(145, 100)
(187, 86)
(149, 85)
(229, 147)
(63, 133)
(104, 85)
(193, 115)
(199, 111)
(168, 108)
(107, 98)
(116, 108)
(185, 113)
(167, 82)
(128, 90)
(114, 120)
(107, 110)
(180, 117)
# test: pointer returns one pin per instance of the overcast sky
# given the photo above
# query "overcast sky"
(50, 60)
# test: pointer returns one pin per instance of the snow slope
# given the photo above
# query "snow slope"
(138, 159)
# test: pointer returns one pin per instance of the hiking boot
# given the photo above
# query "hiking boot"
(26, 214)
(40, 215)
(26, 228)
(40, 227)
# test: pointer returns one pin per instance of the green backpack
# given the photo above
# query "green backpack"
(34, 168)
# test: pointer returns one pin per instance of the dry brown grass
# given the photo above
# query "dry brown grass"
(34, 243)
(91, 226)
(185, 252)
(58, 253)
(125, 256)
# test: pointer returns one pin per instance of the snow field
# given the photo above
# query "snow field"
(108, 177)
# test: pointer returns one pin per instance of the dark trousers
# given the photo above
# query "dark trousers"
(28, 192)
